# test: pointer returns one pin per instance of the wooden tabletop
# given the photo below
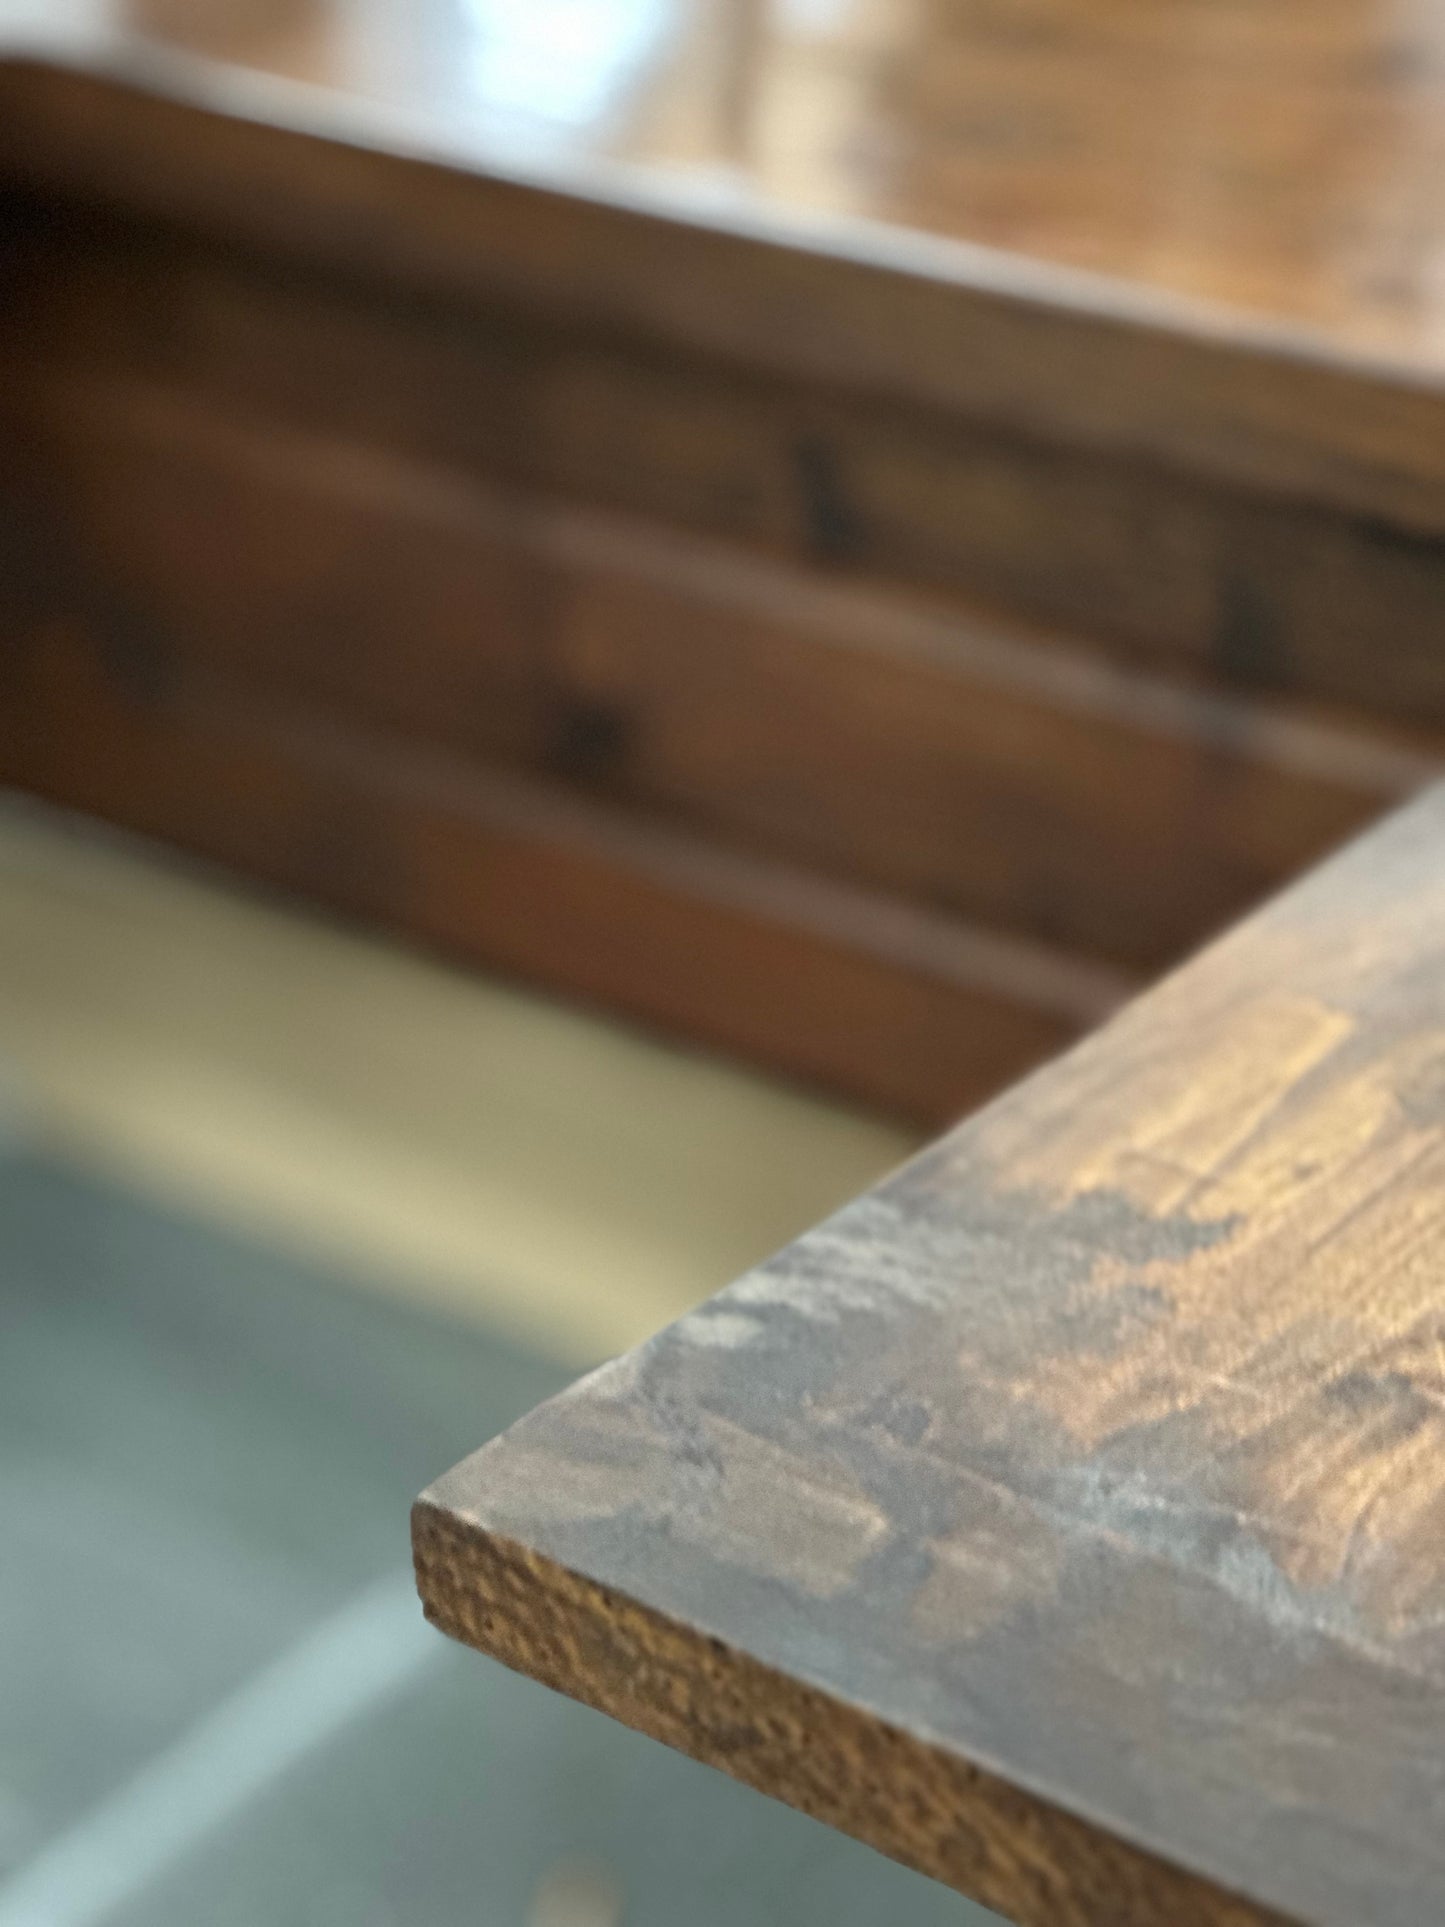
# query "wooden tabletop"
(1067, 1516)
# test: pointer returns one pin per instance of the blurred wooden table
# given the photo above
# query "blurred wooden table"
(1067, 1516)
(855, 532)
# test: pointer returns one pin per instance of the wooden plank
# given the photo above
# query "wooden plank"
(1076, 137)
(1066, 1516)
(975, 768)
(920, 1014)
(1341, 399)
(1235, 588)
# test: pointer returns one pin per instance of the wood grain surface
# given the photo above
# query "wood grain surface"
(997, 291)
(1259, 590)
(1066, 1516)
(978, 767)
(1277, 159)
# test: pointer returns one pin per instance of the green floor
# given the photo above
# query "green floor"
(217, 1706)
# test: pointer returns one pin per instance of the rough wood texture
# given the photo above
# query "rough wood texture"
(1247, 490)
(1087, 136)
(1168, 229)
(1067, 1517)
(1253, 589)
(982, 769)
